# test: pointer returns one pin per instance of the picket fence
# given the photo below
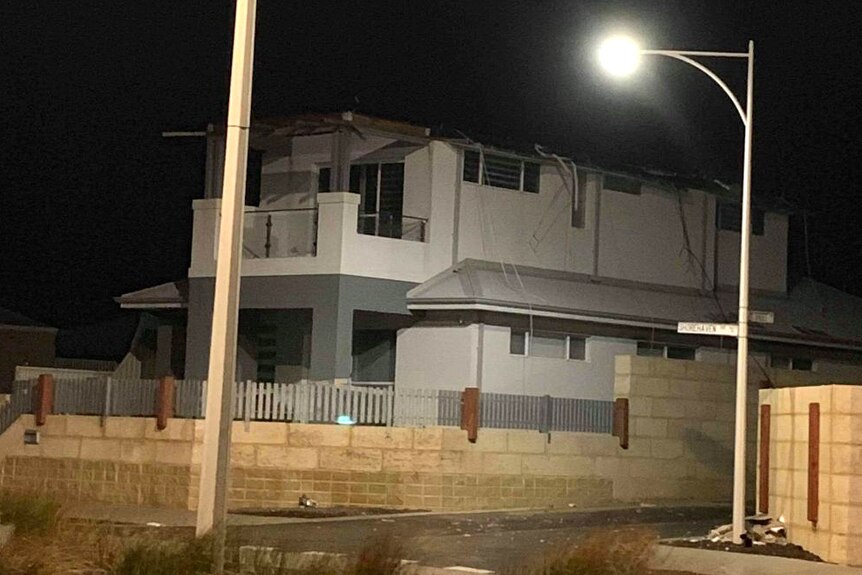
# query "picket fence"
(321, 402)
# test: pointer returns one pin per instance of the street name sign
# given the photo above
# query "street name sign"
(728, 329)
(761, 316)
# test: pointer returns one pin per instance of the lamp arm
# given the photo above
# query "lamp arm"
(706, 71)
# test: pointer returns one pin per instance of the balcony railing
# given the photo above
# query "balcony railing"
(393, 226)
(280, 233)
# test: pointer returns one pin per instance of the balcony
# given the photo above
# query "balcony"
(392, 226)
(330, 239)
(279, 233)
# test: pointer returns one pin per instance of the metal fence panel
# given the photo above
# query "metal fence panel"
(80, 397)
(20, 402)
(322, 402)
(545, 413)
(129, 397)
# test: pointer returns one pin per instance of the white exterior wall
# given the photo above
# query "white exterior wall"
(436, 357)
(641, 237)
(768, 256)
(592, 378)
(525, 228)
(447, 358)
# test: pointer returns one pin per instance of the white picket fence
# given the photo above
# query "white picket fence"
(313, 403)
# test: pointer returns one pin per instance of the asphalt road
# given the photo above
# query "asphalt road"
(495, 541)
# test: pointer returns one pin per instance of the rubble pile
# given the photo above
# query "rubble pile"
(759, 530)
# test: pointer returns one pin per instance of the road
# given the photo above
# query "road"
(493, 541)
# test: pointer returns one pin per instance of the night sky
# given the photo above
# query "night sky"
(95, 203)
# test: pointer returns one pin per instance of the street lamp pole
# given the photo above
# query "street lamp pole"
(212, 500)
(620, 55)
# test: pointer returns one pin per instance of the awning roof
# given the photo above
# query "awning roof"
(171, 295)
(812, 313)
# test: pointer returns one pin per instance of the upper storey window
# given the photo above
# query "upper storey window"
(501, 171)
(729, 217)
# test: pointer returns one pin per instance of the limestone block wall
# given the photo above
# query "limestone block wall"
(837, 534)
(127, 460)
(681, 449)
(681, 430)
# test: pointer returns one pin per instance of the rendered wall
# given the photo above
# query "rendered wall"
(591, 378)
(681, 429)
(837, 535)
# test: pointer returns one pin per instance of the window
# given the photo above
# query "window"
(650, 349)
(323, 176)
(551, 345)
(546, 344)
(678, 352)
(729, 217)
(794, 363)
(577, 348)
(579, 206)
(501, 171)
(622, 184)
(518, 342)
(254, 168)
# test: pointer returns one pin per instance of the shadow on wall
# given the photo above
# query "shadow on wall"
(711, 453)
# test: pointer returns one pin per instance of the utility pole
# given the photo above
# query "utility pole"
(215, 464)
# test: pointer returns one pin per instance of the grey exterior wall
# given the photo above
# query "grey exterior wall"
(332, 299)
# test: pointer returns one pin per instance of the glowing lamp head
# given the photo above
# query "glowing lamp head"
(619, 56)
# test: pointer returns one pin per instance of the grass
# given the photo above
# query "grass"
(604, 552)
(148, 557)
(47, 543)
(31, 514)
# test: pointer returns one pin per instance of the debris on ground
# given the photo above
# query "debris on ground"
(763, 535)
(759, 529)
(306, 502)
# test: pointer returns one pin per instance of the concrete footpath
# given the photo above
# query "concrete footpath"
(726, 563)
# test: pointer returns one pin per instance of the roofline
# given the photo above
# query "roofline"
(15, 327)
(494, 306)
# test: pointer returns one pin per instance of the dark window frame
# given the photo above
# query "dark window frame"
(475, 171)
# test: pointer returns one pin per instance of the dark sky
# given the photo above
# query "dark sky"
(94, 202)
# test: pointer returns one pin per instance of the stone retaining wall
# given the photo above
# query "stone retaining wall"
(836, 536)
(681, 444)
(128, 461)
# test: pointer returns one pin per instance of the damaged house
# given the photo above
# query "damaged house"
(377, 252)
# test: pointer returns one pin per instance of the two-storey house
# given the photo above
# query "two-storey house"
(375, 251)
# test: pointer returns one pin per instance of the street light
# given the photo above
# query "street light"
(620, 56)
(215, 458)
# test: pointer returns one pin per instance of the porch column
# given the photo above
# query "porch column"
(164, 350)
(199, 328)
(331, 343)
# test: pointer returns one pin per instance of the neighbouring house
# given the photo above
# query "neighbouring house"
(23, 341)
(377, 252)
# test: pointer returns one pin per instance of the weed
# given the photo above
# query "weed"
(31, 514)
(602, 553)
(148, 557)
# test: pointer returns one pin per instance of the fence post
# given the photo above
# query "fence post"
(470, 412)
(763, 495)
(813, 462)
(621, 421)
(547, 414)
(44, 398)
(164, 401)
(106, 406)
